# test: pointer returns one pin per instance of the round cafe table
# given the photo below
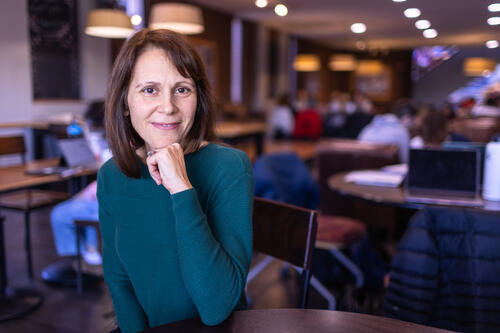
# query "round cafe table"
(387, 195)
(296, 321)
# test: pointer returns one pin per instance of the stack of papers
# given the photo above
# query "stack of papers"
(375, 178)
(401, 169)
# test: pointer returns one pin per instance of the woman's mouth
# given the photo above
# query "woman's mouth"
(166, 126)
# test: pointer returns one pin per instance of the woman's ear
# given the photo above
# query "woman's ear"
(126, 113)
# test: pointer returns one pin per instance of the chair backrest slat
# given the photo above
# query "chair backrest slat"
(12, 145)
(284, 231)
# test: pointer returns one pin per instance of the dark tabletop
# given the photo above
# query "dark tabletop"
(296, 321)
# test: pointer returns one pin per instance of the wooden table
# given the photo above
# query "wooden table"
(16, 302)
(306, 150)
(386, 195)
(297, 321)
(233, 132)
(14, 177)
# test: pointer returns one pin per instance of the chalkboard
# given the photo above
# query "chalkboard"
(54, 49)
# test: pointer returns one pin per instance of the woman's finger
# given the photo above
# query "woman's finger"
(152, 163)
(169, 166)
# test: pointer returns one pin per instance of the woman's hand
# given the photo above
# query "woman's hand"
(167, 167)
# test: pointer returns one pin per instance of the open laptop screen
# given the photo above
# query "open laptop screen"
(444, 170)
(76, 152)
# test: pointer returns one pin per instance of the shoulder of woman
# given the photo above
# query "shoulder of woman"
(108, 168)
(227, 158)
(109, 173)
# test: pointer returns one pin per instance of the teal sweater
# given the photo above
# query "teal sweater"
(172, 257)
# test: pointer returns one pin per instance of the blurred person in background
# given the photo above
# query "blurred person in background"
(465, 107)
(83, 205)
(434, 130)
(308, 121)
(490, 108)
(363, 103)
(280, 121)
(387, 128)
(302, 101)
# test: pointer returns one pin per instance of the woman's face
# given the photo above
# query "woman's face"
(162, 103)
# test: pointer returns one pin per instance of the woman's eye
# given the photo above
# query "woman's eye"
(149, 90)
(183, 90)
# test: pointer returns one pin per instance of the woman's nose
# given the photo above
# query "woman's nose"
(166, 104)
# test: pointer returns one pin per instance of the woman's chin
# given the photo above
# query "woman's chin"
(159, 145)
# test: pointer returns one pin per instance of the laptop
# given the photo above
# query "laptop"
(469, 145)
(75, 156)
(444, 177)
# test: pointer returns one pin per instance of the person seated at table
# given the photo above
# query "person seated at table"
(280, 122)
(339, 107)
(387, 128)
(409, 114)
(491, 106)
(302, 101)
(82, 206)
(363, 103)
(175, 208)
(465, 107)
(308, 122)
(433, 130)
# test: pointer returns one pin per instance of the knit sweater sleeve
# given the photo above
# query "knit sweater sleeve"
(129, 313)
(215, 246)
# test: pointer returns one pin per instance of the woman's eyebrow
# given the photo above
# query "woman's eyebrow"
(147, 82)
(191, 82)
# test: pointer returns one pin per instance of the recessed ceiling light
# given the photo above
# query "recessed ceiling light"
(492, 44)
(261, 3)
(430, 33)
(494, 7)
(358, 28)
(412, 12)
(495, 20)
(136, 19)
(280, 10)
(423, 24)
(398, 0)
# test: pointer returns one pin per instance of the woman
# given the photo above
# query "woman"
(174, 209)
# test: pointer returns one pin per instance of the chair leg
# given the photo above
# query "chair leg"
(79, 282)
(322, 290)
(27, 243)
(356, 272)
(306, 276)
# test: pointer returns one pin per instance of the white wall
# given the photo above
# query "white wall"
(16, 101)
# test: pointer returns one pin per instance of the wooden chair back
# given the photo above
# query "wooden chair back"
(12, 145)
(338, 155)
(286, 232)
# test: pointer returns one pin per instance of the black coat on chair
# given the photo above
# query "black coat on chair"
(446, 272)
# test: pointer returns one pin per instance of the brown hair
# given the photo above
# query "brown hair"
(434, 127)
(122, 138)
